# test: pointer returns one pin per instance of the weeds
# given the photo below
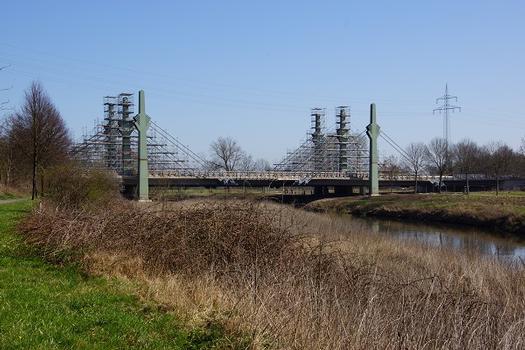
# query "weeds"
(290, 279)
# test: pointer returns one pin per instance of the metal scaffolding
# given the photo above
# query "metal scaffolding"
(113, 144)
(340, 150)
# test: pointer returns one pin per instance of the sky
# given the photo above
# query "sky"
(253, 69)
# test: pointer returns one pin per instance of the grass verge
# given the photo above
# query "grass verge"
(504, 213)
(43, 306)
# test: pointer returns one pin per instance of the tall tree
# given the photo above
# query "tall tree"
(465, 156)
(226, 153)
(415, 153)
(38, 133)
(498, 161)
(6, 158)
(438, 158)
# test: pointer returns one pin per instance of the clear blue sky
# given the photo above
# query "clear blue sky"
(252, 70)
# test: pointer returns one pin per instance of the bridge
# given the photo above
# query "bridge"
(145, 155)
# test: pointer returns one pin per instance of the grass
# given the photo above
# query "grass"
(7, 192)
(7, 195)
(504, 212)
(43, 306)
(291, 279)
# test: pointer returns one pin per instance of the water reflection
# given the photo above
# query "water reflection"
(458, 238)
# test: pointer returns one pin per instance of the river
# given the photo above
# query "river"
(465, 239)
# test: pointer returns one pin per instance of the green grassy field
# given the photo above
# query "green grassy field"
(503, 212)
(43, 306)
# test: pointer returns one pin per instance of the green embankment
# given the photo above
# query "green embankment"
(43, 306)
(504, 212)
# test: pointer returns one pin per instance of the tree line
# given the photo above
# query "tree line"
(465, 159)
(35, 138)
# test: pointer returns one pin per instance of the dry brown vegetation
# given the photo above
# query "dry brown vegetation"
(504, 212)
(285, 278)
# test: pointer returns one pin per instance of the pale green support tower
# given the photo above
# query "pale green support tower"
(372, 130)
(142, 123)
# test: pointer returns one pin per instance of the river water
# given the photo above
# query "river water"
(464, 239)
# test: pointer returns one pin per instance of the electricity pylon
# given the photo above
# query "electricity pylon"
(446, 107)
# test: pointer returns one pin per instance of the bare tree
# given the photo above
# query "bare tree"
(415, 153)
(38, 133)
(519, 166)
(465, 156)
(226, 153)
(438, 158)
(498, 160)
(246, 162)
(6, 155)
(262, 164)
(391, 167)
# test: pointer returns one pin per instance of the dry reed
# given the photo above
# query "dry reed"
(293, 280)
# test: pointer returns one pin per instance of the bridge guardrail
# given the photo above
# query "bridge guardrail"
(303, 177)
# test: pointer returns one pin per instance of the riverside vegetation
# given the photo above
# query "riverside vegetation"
(504, 212)
(45, 306)
(277, 277)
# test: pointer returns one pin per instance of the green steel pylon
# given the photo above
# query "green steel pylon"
(372, 130)
(142, 123)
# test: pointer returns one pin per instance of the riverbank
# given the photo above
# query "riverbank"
(58, 306)
(291, 279)
(503, 213)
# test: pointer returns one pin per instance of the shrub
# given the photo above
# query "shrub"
(72, 186)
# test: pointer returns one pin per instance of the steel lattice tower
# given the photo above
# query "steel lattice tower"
(446, 107)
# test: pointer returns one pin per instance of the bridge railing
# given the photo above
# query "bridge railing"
(254, 175)
(300, 176)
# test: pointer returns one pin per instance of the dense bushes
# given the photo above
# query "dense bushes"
(72, 186)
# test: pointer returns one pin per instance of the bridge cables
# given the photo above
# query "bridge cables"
(395, 146)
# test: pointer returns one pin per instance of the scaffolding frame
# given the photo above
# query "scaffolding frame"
(113, 144)
(339, 150)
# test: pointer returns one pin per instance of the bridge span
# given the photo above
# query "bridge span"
(144, 155)
(321, 182)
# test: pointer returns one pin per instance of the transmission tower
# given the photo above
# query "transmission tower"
(446, 107)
